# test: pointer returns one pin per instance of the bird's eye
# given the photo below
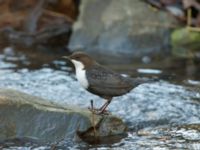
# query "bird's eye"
(77, 57)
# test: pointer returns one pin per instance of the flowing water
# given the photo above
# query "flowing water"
(160, 115)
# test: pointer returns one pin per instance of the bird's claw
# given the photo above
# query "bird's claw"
(98, 111)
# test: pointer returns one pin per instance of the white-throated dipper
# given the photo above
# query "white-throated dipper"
(100, 80)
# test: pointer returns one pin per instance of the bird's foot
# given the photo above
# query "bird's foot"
(105, 112)
(93, 109)
(98, 111)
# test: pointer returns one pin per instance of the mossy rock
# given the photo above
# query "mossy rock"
(185, 43)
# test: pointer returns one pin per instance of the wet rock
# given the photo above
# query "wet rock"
(121, 29)
(176, 137)
(110, 125)
(26, 116)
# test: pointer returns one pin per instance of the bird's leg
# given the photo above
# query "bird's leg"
(92, 108)
(103, 108)
(106, 103)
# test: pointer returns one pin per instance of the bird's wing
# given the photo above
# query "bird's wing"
(106, 78)
(106, 82)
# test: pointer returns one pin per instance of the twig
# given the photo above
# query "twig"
(189, 17)
(93, 118)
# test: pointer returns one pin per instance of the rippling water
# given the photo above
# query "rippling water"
(159, 115)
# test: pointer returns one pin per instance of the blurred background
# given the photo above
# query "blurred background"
(159, 34)
(140, 38)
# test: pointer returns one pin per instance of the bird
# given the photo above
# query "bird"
(100, 80)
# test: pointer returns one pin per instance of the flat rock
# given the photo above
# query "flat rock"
(26, 116)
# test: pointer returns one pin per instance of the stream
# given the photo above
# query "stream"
(161, 115)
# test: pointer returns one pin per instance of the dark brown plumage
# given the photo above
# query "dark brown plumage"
(101, 80)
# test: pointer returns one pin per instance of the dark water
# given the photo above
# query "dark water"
(161, 115)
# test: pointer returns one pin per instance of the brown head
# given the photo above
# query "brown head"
(82, 57)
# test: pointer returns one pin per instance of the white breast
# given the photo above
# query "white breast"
(80, 73)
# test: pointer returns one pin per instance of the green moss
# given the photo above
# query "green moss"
(185, 43)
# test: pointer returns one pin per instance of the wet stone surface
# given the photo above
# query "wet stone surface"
(158, 115)
(26, 116)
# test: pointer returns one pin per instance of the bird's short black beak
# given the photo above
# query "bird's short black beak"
(66, 57)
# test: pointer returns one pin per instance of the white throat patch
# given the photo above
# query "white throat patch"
(80, 73)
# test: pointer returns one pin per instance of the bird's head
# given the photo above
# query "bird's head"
(81, 59)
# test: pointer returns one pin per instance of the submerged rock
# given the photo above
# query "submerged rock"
(176, 137)
(121, 29)
(26, 116)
